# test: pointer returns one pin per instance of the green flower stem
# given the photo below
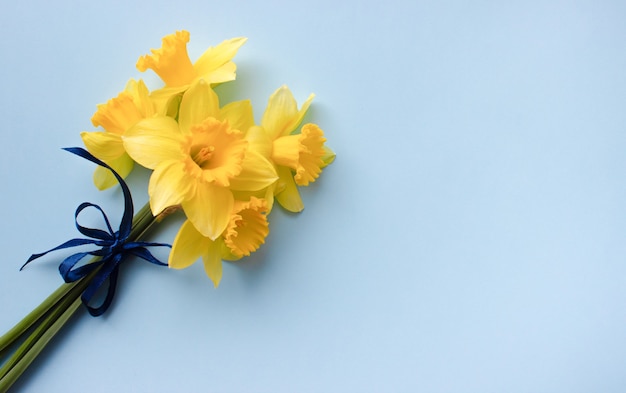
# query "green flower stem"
(141, 222)
(37, 340)
(16, 371)
(52, 314)
(9, 337)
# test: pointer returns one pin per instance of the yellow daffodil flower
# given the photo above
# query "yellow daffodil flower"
(299, 157)
(199, 160)
(246, 230)
(117, 116)
(171, 62)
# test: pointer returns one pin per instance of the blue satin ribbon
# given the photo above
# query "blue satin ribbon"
(114, 246)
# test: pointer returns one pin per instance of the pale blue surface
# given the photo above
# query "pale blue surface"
(469, 237)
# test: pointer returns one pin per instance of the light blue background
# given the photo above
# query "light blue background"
(468, 238)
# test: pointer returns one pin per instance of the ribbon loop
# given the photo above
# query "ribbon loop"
(92, 232)
(114, 247)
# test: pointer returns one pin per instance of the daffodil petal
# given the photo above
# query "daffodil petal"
(104, 145)
(103, 178)
(269, 197)
(168, 185)
(215, 57)
(188, 246)
(267, 194)
(226, 73)
(209, 209)
(259, 141)
(328, 157)
(141, 97)
(198, 103)
(281, 107)
(295, 121)
(257, 173)
(213, 262)
(167, 100)
(239, 115)
(289, 197)
(152, 141)
(282, 116)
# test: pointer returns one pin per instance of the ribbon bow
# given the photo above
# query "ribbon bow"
(114, 246)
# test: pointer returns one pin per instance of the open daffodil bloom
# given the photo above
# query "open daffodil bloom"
(246, 231)
(198, 161)
(299, 157)
(171, 62)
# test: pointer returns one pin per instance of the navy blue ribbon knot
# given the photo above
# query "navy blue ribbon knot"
(114, 246)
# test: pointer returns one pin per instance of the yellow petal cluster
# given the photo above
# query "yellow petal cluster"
(198, 160)
(214, 161)
(246, 231)
(117, 116)
(298, 155)
(172, 64)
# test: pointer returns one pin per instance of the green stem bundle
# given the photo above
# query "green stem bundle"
(47, 319)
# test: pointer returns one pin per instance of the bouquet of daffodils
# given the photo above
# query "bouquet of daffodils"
(212, 161)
